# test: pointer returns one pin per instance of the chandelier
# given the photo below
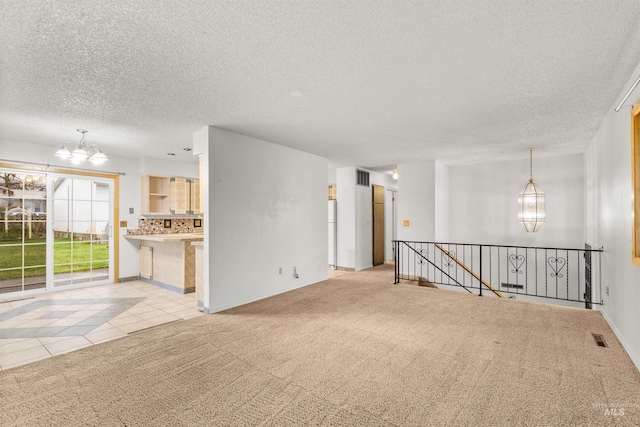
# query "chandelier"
(80, 152)
(531, 203)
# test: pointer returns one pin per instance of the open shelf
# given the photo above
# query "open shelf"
(164, 195)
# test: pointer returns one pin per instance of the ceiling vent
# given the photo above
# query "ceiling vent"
(362, 178)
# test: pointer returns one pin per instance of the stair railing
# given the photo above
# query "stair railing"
(524, 272)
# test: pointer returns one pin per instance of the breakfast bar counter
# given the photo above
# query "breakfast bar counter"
(168, 260)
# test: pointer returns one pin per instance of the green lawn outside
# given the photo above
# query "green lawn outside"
(83, 255)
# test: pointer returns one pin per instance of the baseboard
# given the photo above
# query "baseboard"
(128, 279)
(345, 268)
(211, 310)
(169, 287)
(634, 357)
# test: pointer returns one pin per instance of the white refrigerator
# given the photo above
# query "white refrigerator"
(333, 234)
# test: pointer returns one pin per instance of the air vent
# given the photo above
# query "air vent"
(363, 178)
(599, 340)
(512, 285)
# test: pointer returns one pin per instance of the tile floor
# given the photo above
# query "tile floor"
(36, 328)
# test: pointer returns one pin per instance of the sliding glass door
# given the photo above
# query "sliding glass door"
(55, 230)
(81, 229)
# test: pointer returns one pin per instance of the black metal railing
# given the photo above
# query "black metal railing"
(568, 275)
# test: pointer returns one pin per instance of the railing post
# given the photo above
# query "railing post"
(396, 259)
(480, 270)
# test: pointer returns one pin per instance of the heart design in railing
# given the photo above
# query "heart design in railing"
(447, 258)
(556, 264)
(425, 255)
(516, 261)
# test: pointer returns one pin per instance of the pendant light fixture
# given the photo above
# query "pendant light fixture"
(79, 153)
(531, 203)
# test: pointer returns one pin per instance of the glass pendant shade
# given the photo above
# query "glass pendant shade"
(531, 207)
(63, 152)
(79, 153)
(98, 158)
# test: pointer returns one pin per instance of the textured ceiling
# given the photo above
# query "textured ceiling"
(365, 83)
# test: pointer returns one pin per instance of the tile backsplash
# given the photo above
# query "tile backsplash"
(166, 226)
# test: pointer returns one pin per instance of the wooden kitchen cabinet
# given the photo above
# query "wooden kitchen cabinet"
(154, 191)
(165, 195)
(179, 196)
(196, 208)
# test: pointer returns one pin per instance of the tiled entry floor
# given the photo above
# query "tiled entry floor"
(59, 322)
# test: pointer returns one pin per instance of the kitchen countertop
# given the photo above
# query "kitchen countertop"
(170, 237)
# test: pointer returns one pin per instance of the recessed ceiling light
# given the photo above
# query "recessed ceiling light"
(297, 94)
(171, 154)
(187, 149)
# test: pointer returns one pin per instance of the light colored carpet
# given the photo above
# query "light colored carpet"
(355, 350)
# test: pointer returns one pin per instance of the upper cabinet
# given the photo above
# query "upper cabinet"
(164, 195)
(196, 207)
(154, 191)
(179, 196)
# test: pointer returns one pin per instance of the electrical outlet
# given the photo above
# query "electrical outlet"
(130, 210)
(607, 290)
(123, 223)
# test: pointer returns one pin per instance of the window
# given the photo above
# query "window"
(635, 174)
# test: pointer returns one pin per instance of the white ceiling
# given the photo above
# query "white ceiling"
(367, 83)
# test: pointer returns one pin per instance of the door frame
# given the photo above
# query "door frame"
(373, 224)
(47, 170)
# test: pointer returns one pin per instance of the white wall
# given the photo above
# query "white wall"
(267, 209)
(346, 218)
(331, 176)
(416, 201)
(484, 202)
(390, 222)
(441, 207)
(364, 228)
(169, 167)
(609, 220)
